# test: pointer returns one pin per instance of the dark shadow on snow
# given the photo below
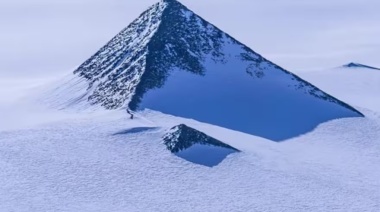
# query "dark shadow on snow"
(196, 147)
(206, 155)
(135, 130)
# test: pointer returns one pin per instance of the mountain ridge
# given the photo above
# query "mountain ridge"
(359, 65)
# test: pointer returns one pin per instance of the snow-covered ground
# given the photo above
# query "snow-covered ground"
(104, 161)
(356, 86)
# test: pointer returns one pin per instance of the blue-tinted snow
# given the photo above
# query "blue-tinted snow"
(206, 155)
(227, 96)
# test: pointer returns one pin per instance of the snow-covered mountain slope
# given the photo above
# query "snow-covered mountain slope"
(173, 61)
(359, 86)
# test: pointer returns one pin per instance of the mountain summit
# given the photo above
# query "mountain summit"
(171, 60)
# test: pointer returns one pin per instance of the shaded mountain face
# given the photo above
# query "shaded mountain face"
(196, 147)
(182, 137)
(358, 65)
(173, 61)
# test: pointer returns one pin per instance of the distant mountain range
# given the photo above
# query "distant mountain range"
(358, 65)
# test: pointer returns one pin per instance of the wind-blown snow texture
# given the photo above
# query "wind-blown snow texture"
(102, 162)
(173, 61)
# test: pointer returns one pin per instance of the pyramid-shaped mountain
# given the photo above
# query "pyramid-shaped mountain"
(196, 147)
(171, 60)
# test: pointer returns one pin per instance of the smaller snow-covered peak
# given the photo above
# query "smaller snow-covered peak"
(182, 137)
(358, 65)
(196, 147)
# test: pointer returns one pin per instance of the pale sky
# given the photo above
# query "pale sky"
(46, 37)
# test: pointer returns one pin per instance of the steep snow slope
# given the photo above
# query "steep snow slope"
(265, 106)
(173, 61)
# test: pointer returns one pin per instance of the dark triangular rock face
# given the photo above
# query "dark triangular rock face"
(358, 65)
(196, 147)
(139, 58)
